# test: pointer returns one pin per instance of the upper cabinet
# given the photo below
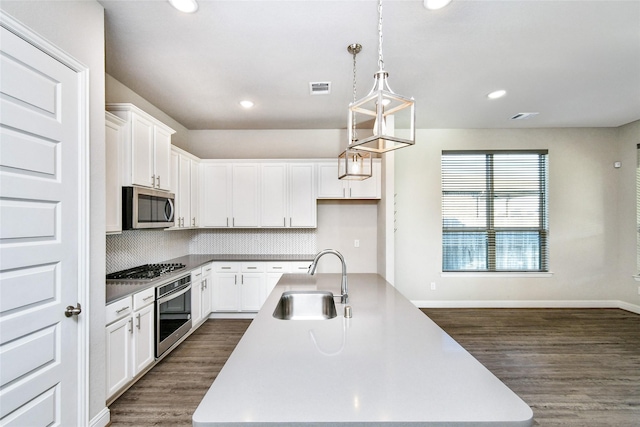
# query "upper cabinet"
(185, 184)
(330, 187)
(261, 194)
(288, 195)
(146, 148)
(114, 134)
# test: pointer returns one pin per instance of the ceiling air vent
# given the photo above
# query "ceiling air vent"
(523, 116)
(320, 88)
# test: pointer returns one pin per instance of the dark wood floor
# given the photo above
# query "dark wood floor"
(574, 367)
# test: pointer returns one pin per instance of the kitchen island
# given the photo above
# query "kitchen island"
(388, 364)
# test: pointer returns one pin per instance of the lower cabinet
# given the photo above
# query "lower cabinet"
(238, 286)
(244, 286)
(201, 288)
(130, 338)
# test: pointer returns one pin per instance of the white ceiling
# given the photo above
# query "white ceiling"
(577, 63)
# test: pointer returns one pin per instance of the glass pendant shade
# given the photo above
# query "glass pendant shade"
(355, 165)
(380, 103)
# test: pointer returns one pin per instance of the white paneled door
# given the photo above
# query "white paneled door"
(41, 234)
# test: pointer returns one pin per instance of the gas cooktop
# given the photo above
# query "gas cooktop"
(144, 272)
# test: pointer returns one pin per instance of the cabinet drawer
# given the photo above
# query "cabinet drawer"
(196, 275)
(207, 269)
(277, 267)
(144, 298)
(253, 267)
(226, 267)
(118, 310)
(299, 266)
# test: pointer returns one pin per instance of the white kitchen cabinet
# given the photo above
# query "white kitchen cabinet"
(245, 195)
(185, 184)
(114, 134)
(118, 359)
(330, 187)
(201, 288)
(130, 338)
(238, 286)
(146, 149)
(288, 195)
(216, 194)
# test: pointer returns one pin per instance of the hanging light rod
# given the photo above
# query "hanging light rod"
(380, 103)
(354, 164)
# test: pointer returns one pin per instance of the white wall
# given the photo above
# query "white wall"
(584, 196)
(77, 27)
(117, 92)
(267, 144)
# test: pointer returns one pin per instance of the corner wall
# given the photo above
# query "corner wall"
(584, 195)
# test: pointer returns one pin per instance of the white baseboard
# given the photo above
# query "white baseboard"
(529, 304)
(102, 419)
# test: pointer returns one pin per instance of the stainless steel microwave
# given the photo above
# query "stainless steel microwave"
(147, 208)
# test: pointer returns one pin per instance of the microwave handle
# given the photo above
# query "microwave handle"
(169, 217)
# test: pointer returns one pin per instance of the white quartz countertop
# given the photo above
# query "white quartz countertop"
(387, 365)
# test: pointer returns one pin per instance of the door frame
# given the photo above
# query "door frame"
(82, 71)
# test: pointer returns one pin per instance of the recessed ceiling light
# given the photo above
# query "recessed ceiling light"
(497, 94)
(436, 4)
(186, 6)
(246, 104)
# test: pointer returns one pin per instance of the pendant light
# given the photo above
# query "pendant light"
(380, 103)
(354, 164)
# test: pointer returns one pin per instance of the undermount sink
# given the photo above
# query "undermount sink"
(305, 305)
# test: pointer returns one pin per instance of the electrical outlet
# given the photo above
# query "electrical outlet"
(356, 243)
(433, 286)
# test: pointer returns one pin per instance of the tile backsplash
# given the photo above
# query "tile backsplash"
(137, 247)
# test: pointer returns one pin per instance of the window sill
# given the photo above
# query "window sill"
(499, 274)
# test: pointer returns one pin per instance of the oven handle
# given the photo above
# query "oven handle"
(174, 294)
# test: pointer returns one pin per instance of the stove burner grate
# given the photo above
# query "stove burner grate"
(145, 272)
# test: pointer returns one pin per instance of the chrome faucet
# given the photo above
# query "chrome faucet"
(343, 285)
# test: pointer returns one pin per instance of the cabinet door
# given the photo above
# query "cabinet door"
(245, 195)
(368, 188)
(216, 194)
(113, 191)
(302, 199)
(195, 193)
(118, 362)
(142, 156)
(251, 291)
(225, 292)
(143, 338)
(329, 186)
(196, 295)
(206, 297)
(162, 154)
(183, 196)
(274, 195)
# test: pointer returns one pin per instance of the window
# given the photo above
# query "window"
(494, 211)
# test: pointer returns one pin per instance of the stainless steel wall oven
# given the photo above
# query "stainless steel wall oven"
(173, 312)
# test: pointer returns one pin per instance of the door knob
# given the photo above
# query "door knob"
(73, 311)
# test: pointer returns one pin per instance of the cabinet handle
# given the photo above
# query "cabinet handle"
(225, 268)
(158, 181)
(122, 309)
(235, 280)
(149, 297)
(138, 321)
(349, 192)
(233, 222)
(290, 222)
(284, 222)
(251, 268)
(242, 279)
(343, 193)
(227, 221)
(153, 181)
(194, 221)
(130, 322)
(205, 284)
(277, 268)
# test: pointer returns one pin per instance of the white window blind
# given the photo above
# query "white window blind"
(494, 211)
